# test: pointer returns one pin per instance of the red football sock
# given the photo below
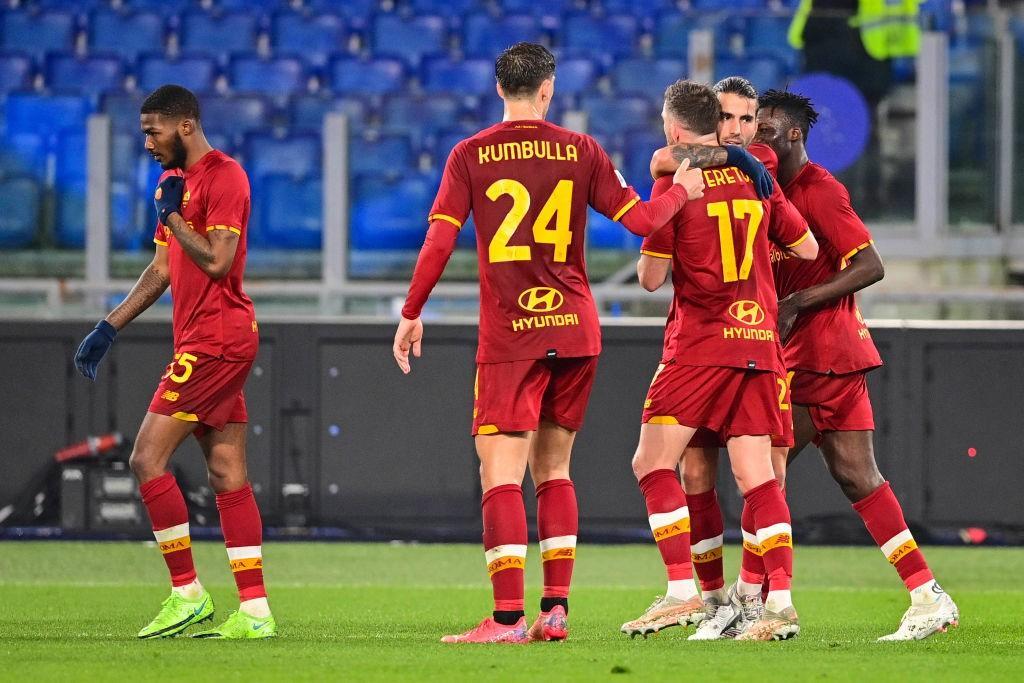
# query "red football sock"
(670, 521)
(774, 533)
(751, 564)
(167, 512)
(505, 545)
(883, 517)
(557, 524)
(243, 535)
(706, 538)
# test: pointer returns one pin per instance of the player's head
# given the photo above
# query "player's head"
(691, 112)
(784, 120)
(738, 99)
(526, 73)
(170, 120)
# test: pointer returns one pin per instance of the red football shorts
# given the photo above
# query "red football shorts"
(203, 389)
(729, 401)
(706, 438)
(837, 403)
(515, 396)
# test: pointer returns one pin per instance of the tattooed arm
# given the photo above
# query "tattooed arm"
(151, 285)
(213, 253)
(667, 159)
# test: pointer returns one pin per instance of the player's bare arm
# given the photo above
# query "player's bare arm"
(865, 269)
(213, 253)
(667, 159)
(653, 271)
(151, 285)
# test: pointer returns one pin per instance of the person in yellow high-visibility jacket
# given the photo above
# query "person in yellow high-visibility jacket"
(888, 28)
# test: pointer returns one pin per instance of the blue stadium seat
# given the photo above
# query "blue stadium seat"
(446, 141)
(91, 76)
(767, 35)
(125, 34)
(610, 116)
(291, 214)
(613, 34)
(166, 8)
(446, 8)
(313, 37)
(308, 111)
(275, 77)
(726, 5)
(219, 34)
(408, 39)
(638, 8)
(636, 158)
(355, 12)
(125, 150)
(45, 114)
(198, 73)
(764, 72)
(38, 33)
(70, 190)
(126, 232)
(24, 153)
(604, 233)
(383, 155)
(77, 6)
(672, 35)
(421, 117)
(263, 6)
(297, 156)
(575, 76)
(549, 8)
(467, 77)
(15, 72)
(124, 110)
(646, 77)
(486, 36)
(20, 201)
(366, 77)
(235, 115)
(390, 213)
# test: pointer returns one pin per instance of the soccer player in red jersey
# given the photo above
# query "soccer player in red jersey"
(202, 202)
(722, 375)
(829, 352)
(528, 184)
(722, 607)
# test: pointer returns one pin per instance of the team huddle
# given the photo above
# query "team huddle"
(764, 352)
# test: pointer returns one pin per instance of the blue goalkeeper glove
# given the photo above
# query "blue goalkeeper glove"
(748, 163)
(168, 197)
(94, 347)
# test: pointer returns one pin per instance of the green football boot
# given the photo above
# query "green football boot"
(177, 614)
(240, 626)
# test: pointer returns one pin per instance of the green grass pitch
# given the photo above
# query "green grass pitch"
(70, 611)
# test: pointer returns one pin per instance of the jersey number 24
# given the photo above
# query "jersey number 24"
(556, 208)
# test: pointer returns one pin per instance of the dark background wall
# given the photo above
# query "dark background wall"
(370, 448)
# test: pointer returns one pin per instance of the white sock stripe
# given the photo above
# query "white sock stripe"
(660, 519)
(504, 551)
(171, 533)
(557, 542)
(889, 547)
(773, 530)
(245, 552)
(706, 545)
(749, 537)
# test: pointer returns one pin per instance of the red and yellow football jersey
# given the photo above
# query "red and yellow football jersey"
(528, 184)
(833, 337)
(724, 308)
(214, 317)
(783, 219)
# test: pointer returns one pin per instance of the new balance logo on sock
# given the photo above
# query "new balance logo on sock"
(775, 536)
(558, 548)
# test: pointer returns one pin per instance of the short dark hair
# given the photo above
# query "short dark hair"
(695, 105)
(796, 109)
(521, 69)
(737, 85)
(172, 101)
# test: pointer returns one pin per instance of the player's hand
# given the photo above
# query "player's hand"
(692, 180)
(168, 197)
(788, 311)
(93, 348)
(748, 163)
(409, 336)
